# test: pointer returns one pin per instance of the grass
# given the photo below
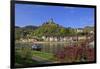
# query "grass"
(43, 55)
(20, 61)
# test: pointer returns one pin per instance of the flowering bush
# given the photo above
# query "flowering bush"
(75, 54)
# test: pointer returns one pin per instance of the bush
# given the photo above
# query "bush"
(75, 54)
(23, 56)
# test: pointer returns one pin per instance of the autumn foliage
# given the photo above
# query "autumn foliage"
(74, 53)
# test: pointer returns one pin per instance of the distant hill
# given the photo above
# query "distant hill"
(30, 27)
(17, 27)
(50, 28)
(27, 27)
(90, 28)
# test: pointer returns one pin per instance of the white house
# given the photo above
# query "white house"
(79, 30)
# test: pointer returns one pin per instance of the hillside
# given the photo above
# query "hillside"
(49, 28)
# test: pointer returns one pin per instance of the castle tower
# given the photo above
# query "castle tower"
(51, 20)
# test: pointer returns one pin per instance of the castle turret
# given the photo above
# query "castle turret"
(51, 20)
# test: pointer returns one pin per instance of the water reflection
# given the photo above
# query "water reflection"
(52, 47)
(45, 47)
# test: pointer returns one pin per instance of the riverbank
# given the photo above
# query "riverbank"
(41, 42)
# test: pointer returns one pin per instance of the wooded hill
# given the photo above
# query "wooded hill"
(49, 28)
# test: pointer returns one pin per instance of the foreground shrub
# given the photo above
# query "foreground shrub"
(75, 54)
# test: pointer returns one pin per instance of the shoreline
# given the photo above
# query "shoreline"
(41, 42)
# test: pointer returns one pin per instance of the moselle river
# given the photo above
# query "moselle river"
(48, 47)
(45, 47)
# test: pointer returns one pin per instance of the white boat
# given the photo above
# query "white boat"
(36, 47)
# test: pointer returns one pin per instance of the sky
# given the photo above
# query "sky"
(36, 15)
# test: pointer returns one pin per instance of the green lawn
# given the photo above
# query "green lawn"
(21, 61)
(43, 55)
(26, 57)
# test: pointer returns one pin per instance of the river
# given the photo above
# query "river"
(45, 47)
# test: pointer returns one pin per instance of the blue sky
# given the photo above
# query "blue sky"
(26, 14)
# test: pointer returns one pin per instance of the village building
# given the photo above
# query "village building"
(79, 30)
(66, 38)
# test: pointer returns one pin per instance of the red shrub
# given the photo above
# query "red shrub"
(74, 53)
